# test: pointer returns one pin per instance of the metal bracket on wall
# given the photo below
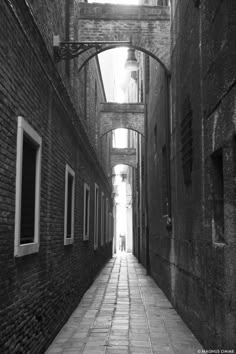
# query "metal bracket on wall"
(66, 50)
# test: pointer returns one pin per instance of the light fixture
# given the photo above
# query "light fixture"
(131, 63)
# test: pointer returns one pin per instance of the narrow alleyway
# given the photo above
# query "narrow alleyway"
(124, 311)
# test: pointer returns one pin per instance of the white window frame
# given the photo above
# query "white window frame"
(102, 218)
(69, 240)
(25, 129)
(86, 188)
(96, 202)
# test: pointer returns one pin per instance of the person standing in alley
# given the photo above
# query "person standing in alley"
(122, 242)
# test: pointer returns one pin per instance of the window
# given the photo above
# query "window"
(107, 222)
(69, 206)
(27, 202)
(102, 217)
(96, 198)
(218, 197)
(86, 211)
(110, 226)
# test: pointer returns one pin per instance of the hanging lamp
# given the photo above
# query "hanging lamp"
(131, 63)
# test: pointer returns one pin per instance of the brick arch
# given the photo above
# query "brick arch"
(121, 115)
(91, 53)
(146, 27)
(130, 164)
(124, 127)
(123, 156)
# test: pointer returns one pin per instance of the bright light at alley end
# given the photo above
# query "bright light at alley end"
(131, 63)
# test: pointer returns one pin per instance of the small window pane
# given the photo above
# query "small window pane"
(28, 192)
(86, 212)
(69, 205)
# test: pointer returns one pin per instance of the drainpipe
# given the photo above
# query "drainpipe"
(146, 189)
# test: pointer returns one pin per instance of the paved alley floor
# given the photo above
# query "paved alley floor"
(124, 311)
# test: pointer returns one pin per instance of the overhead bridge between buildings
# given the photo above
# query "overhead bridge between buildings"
(99, 27)
(123, 156)
(121, 115)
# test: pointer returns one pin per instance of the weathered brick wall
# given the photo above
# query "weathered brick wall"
(123, 156)
(147, 27)
(194, 271)
(121, 115)
(38, 292)
(157, 116)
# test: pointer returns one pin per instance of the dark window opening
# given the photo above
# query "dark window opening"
(86, 211)
(69, 206)
(28, 192)
(218, 196)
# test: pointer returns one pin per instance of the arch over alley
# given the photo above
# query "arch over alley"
(121, 115)
(147, 28)
(125, 156)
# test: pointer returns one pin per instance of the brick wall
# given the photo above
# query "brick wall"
(193, 269)
(123, 156)
(160, 240)
(115, 115)
(147, 27)
(38, 292)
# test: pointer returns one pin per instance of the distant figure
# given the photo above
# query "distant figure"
(122, 242)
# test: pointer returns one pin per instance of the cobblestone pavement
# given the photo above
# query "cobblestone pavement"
(124, 311)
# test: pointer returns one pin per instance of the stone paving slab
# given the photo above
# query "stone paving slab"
(124, 311)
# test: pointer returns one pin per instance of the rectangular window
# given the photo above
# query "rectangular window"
(218, 197)
(86, 211)
(27, 203)
(69, 206)
(107, 222)
(102, 217)
(110, 227)
(96, 199)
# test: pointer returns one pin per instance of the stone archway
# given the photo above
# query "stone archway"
(147, 28)
(125, 156)
(121, 115)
